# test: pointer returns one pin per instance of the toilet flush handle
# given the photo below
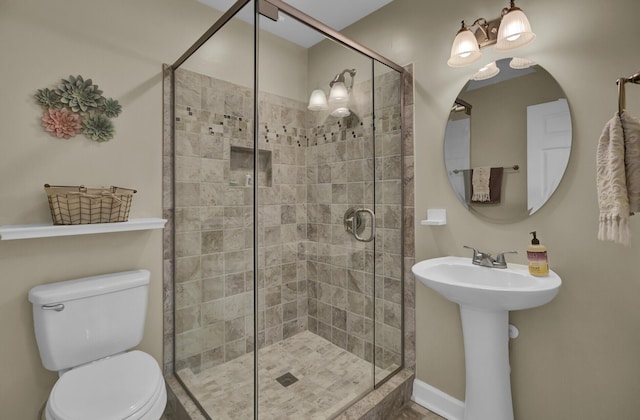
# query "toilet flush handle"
(53, 306)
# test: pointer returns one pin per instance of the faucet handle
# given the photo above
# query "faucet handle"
(475, 251)
(478, 255)
(500, 258)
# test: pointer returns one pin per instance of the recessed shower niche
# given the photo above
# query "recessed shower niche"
(242, 163)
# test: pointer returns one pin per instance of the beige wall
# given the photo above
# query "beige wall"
(229, 56)
(577, 357)
(122, 46)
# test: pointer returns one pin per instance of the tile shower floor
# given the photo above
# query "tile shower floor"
(328, 379)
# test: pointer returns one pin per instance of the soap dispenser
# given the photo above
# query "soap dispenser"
(537, 256)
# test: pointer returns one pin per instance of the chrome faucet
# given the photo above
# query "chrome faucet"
(485, 259)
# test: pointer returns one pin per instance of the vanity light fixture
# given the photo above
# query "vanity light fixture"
(486, 72)
(519, 63)
(341, 112)
(338, 95)
(318, 101)
(515, 30)
(510, 31)
(465, 49)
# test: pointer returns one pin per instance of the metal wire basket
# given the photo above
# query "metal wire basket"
(79, 205)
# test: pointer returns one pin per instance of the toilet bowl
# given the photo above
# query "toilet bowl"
(127, 386)
(83, 329)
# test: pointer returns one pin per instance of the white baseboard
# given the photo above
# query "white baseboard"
(437, 401)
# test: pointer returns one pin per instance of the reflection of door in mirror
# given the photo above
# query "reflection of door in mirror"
(548, 148)
(457, 147)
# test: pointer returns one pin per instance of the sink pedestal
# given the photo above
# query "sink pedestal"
(486, 296)
(486, 349)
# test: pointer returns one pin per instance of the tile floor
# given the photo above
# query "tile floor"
(167, 415)
(413, 411)
(328, 379)
(410, 411)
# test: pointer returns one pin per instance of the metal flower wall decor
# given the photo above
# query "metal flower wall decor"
(77, 106)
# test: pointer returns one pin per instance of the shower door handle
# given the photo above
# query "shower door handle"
(354, 224)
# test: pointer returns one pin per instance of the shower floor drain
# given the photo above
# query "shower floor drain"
(287, 379)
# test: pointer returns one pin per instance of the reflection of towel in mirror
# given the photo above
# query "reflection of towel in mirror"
(480, 183)
(613, 197)
(486, 185)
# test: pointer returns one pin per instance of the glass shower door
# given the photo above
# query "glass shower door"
(316, 278)
(389, 237)
(214, 168)
(288, 218)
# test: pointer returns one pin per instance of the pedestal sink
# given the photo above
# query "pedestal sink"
(486, 295)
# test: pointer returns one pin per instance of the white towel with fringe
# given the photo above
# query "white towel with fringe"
(480, 184)
(613, 199)
(631, 130)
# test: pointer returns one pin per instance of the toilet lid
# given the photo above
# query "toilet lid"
(113, 388)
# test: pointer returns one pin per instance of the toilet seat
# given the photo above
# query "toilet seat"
(128, 386)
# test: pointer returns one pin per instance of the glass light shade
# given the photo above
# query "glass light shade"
(339, 95)
(514, 32)
(465, 49)
(519, 63)
(341, 112)
(318, 101)
(486, 72)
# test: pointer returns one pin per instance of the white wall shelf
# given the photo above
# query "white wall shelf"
(46, 230)
(433, 222)
(435, 217)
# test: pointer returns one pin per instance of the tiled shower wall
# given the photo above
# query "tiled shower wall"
(214, 221)
(315, 174)
(340, 171)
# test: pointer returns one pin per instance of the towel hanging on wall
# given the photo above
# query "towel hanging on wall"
(613, 200)
(631, 132)
(618, 171)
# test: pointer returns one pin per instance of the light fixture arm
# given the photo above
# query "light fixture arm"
(512, 6)
(486, 32)
(483, 26)
(340, 77)
(509, 9)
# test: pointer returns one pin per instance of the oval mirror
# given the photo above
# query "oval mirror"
(508, 140)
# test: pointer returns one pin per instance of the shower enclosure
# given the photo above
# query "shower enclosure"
(287, 217)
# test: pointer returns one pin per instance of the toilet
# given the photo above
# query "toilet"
(84, 328)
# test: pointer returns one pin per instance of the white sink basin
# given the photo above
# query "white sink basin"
(485, 296)
(512, 288)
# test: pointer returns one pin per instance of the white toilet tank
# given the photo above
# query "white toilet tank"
(79, 321)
